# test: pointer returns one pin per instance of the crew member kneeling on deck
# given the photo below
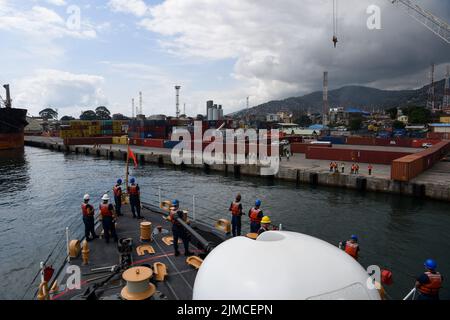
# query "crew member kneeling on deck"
(118, 196)
(430, 282)
(351, 246)
(255, 215)
(88, 219)
(135, 198)
(108, 219)
(265, 225)
(178, 230)
(236, 214)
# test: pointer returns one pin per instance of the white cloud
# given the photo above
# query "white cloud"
(41, 22)
(57, 2)
(66, 91)
(136, 7)
(281, 48)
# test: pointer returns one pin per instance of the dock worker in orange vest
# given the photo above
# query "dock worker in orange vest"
(351, 246)
(356, 168)
(88, 219)
(108, 217)
(370, 169)
(135, 198)
(178, 231)
(117, 189)
(255, 214)
(236, 214)
(353, 168)
(430, 282)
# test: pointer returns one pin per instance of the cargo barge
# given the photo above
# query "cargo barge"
(12, 124)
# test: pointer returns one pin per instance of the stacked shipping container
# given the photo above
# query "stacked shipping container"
(97, 128)
(353, 155)
(407, 168)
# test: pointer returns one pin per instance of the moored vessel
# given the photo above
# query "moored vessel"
(12, 124)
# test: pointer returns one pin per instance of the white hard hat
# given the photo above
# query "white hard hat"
(86, 197)
(105, 197)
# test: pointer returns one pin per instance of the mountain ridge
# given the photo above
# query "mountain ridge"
(362, 97)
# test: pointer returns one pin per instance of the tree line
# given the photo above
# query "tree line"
(100, 113)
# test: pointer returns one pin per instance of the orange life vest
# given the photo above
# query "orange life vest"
(117, 191)
(173, 216)
(104, 210)
(352, 249)
(133, 190)
(254, 215)
(235, 209)
(431, 288)
(370, 167)
(84, 210)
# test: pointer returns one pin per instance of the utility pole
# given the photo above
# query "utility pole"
(140, 103)
(325, 98)
(446, 102)
(132, 108)
(431, 93)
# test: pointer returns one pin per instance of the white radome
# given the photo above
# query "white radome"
(281, 265)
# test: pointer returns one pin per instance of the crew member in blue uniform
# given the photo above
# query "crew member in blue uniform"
(107, 216)
(118, 197)
(255, 214)
(135, 198)
(88, 219)
(429, 283)
(177, 229)
(236, 214)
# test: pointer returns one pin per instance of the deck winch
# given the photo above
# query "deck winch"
(138, 284)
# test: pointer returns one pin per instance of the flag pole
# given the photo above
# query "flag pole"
(128, 160)
(126, 200)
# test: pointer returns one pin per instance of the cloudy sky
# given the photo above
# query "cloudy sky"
(215, 49)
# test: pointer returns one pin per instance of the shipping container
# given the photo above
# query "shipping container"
(153, 143)
(302, 147)
(353, 155)
(87, 141)
(170, 144)
(407, 168)
(334, 139)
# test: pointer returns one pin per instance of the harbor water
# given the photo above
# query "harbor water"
(41, 192)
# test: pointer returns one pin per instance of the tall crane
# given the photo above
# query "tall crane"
(436, 25)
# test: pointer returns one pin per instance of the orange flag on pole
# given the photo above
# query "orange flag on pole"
(132, 156)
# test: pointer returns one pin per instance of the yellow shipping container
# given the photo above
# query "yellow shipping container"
(124, 140)
(445, 119)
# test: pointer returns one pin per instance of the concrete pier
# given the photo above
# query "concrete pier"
(434, 183)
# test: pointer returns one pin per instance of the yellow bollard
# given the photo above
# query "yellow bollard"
(43, 291)
(55, 287)
(85, 253)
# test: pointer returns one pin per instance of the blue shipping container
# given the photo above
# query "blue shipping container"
(170, 144)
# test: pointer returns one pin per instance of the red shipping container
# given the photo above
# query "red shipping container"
(365, 156)
(153, 143)
(302, 147)
(87, 141)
